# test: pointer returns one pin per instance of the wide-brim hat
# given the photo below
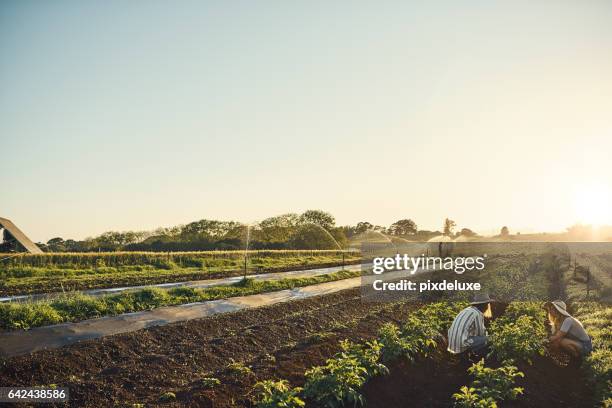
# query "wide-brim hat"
(561, 307)
(480, 298)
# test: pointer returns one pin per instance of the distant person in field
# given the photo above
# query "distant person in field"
(568, 335)
(468, 332)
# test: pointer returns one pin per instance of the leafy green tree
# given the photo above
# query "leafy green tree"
(56, 245)
(278, 230)
(309, 236)
(403, 227)
(318, 217)
(363, 226)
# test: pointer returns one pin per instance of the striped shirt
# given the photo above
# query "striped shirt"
(468, 323)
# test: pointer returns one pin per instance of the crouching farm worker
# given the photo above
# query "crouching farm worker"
(467, 332)
(569, 335)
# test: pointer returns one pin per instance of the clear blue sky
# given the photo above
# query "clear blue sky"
(118, 115)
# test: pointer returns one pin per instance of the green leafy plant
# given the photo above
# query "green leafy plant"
(496, 383)
(393, 344)
(490, 386)
(336, 383)
(439, 315)
(277, 394)
(520, 339)
(470, 398)
(209, 382)
(419, 335)
(596, 319)
(339, 381)
(239, 369)
(368, 356)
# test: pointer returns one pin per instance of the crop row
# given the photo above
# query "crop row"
(74, 307)
(192, 258)
(28, 279)
(339, 381)
(516, 336)
(596, 318)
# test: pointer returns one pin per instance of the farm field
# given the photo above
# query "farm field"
(328, 351)
(30, 274)
(238, 351)
(589, 275)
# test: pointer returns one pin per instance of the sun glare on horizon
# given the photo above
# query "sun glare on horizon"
(593, 205)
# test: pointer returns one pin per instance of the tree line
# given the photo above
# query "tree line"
(313, 229)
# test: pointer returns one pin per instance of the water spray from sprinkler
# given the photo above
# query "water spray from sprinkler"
(332, 237)
(246, 248)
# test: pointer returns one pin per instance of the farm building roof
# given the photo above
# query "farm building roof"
(19, 236)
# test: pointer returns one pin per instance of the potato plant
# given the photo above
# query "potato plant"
(394, 345)
(336, 383)
(420, 333)
(490, 386)
(596, 318)
(339, 381)
(277, 394)
(496, 383)
(468, 397)
(519, 335)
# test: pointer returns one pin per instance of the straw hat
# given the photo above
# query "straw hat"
(561, 307)
(480, 298)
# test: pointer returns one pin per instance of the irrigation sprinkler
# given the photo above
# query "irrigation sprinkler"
(246, 249)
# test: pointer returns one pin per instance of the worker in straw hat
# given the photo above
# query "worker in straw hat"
(467, 332)
(568, 335)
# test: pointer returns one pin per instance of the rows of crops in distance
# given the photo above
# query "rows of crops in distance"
(75, 307)
(599, 267)
(517, 276)
(93, 270)
(189, 258)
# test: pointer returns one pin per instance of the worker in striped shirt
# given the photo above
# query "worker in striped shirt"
(468, 333)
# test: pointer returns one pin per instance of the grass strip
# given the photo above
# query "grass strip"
(76, 307)
(15, 279)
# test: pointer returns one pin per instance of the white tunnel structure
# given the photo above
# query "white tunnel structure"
(17, 238)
